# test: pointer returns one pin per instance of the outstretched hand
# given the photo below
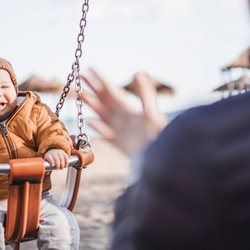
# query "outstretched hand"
(120, 123)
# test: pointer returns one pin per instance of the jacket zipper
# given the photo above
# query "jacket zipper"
(12, 151)
(10, 146)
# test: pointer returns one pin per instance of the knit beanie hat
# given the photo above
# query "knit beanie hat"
(4, 64)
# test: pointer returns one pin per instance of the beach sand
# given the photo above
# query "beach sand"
(102, 182)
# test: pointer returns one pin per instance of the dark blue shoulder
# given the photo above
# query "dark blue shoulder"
(228, 115)
(201, 132)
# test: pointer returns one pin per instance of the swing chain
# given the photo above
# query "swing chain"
(75, 73)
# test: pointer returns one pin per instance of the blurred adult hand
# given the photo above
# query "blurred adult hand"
(119, 122)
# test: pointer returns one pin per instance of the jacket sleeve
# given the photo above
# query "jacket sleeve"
(51, 133)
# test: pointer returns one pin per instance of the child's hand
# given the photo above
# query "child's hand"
(56, 158)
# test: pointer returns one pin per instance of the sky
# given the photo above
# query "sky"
(180, 42)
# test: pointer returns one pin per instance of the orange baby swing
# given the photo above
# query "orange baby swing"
(26, 175)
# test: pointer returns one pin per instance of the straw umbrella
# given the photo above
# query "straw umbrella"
(161, 88)
(38, 84)
(241, 84)
(243, 61)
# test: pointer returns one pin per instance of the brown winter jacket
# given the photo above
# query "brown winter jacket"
(31, 131)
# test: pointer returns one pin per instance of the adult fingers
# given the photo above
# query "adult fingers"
(97, 84)
(146, 90)
(92, 84)
(103, 129)
(93, 102)
(108, 94)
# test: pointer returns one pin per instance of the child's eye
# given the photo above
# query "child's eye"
(4, 87)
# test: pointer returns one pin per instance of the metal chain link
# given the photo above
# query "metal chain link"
(75, 74)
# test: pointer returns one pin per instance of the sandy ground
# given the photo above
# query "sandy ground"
(101, 183)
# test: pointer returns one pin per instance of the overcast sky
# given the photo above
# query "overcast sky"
(183, 42)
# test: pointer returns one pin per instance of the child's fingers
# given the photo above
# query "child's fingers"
(57, 161)
(66, 159)
(50, 160)
(57, 158)
(63, 159)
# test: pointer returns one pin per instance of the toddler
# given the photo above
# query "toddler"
(28, 128)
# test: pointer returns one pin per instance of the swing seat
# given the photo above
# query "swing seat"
(25, 192)
(24, 198)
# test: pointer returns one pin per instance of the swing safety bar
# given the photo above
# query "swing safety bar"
(72, 179)
(25, 177)
(69, 196)
(73, 160)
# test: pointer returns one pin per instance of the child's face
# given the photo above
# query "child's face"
(8, 95)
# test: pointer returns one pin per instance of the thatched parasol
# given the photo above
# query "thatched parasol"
(243, 61)
(243, 83)
(160, 87)
(38, 84)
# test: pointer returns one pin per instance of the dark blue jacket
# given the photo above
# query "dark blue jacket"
(194, 192)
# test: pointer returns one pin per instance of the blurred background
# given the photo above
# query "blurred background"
(180, 42)
(183, 44)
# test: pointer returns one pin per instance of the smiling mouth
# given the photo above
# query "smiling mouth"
(2, 105)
